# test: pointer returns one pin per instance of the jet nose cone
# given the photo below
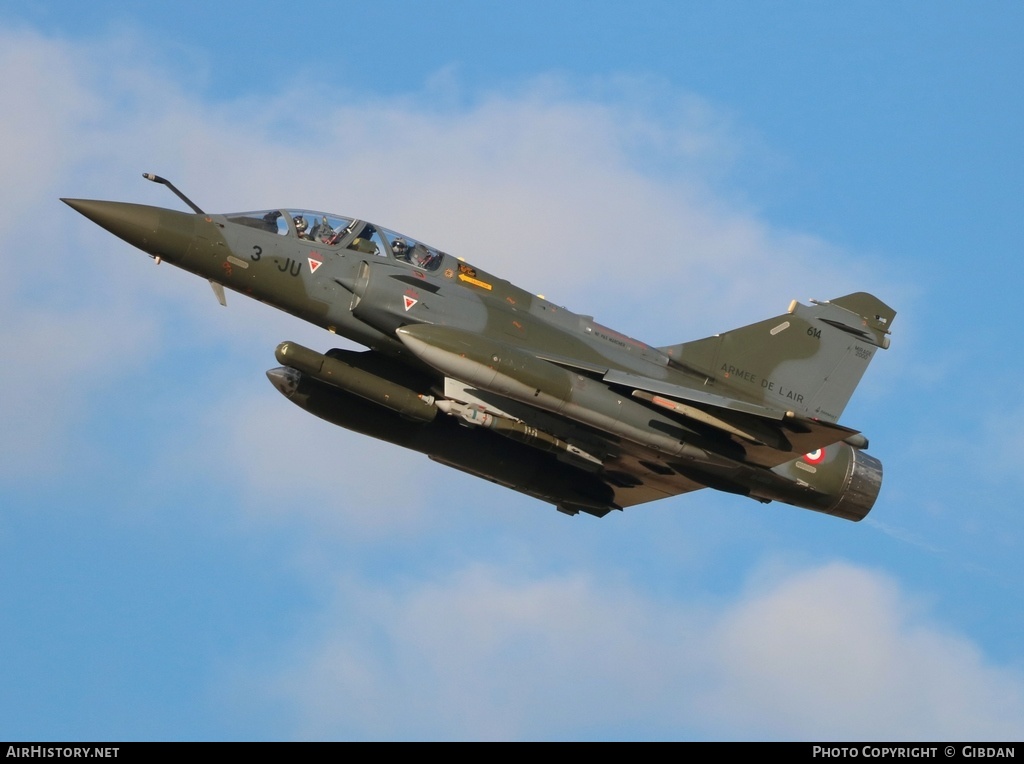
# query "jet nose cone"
(151, 229)
(286, 380)
(137, 224)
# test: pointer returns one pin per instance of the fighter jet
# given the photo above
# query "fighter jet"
(487, 378)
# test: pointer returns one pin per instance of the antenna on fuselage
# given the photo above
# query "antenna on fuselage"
(158, 179)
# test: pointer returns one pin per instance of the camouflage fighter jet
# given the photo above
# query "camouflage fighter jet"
(487, 378)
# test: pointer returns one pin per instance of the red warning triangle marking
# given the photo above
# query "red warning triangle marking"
(409, 301)
(314, 264)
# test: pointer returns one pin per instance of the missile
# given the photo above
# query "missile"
(505, 370)
(518, 431)
(364, 383)
(753, 433)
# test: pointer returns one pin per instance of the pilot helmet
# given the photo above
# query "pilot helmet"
(300, 223)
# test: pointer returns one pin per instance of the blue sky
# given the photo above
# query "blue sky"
(186, 555)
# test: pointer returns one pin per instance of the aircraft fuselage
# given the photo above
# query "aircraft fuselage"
(632, 422)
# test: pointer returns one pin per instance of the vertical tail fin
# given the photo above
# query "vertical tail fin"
(808, 360)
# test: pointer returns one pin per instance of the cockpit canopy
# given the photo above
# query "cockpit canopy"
(342, 233)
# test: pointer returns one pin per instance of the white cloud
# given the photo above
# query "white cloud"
(46, 107)
(54, 359)
(832, 652)
(286, 466)
(839, 652)
(479, 656)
